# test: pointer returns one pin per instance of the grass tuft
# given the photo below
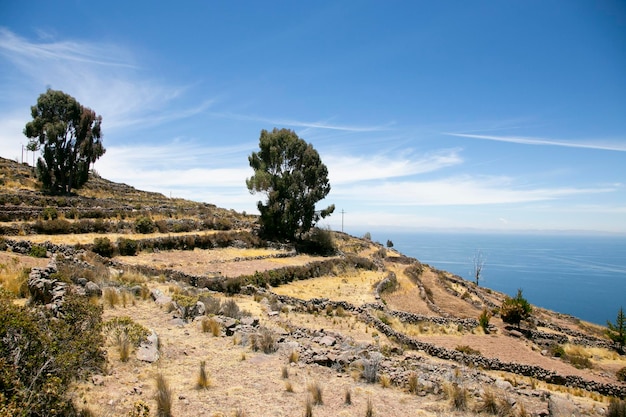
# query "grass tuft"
(210, 325)
(294, 356)
(285, 372)
(111, 297)
(203, 381)
(308, 407)
(164, 397)
(413, 383)
(369, 411)
(316, 393)
(347, 397)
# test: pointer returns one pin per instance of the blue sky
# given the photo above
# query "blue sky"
(484, 115)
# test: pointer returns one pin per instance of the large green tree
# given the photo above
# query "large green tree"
(290, 172)
(70, 138)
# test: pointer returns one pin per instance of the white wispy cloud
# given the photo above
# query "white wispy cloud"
(607, 146)
(454, 191)
(102, 76)
(344, 169)
(298, 123)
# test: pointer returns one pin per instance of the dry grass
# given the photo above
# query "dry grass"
(203, 381)
(385, 381)
(123, 346)
(294, 356)
(14, 277)
(315, 389)
(163, 396)
(211, 325)
(413, 383)
(355, 287)
(369, 411)
(111, 297)
(457, 395)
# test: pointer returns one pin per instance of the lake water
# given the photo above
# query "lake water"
(584, 276)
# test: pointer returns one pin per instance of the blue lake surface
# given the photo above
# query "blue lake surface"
(581, 275)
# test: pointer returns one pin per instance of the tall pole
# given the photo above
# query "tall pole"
(342, 213)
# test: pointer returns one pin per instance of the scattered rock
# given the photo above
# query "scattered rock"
(148, 351)
(97, 379)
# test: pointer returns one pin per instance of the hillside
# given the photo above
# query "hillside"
(367, 329)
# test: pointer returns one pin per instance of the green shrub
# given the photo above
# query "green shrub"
(53, 227)
(38, 251)
(127, 247)
(557, 351)
(514, 310)
(103, 247)
(50, 213)
(144, 225)
(40, 355)
(483, 320)
(318, 242)
(124, 327)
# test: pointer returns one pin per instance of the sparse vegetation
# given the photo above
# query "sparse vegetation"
(457, 395)
(468, 350)
(40, 355)
(203, 381)
(264, 340)
(315, 389)
(163, 397)
(483, 320)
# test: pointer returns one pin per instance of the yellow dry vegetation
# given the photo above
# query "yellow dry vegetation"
(356, 287)
(87, 238)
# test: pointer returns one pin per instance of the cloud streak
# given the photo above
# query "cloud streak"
(351, 169)
(458, 191)
(298, 123)
(101, 76)
(619, 147)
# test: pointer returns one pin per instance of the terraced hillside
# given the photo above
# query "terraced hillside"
(249, 327)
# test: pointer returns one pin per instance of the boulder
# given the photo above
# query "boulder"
(92, 289)
(148, 350)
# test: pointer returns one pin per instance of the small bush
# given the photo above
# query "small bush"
(621, 374)
(231, 309)
(103, 247)
(285, 372)
(557, 351)
(37, 251)
(144, 225)
(483, 320)
(127, 247)
(288, 386)
(491, 403)
(617, 408)
(264, 341)
(50, 213)
(385, 381)
(124, 326)
(163, 397)
(347, 397)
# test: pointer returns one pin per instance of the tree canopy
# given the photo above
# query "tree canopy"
(290, 172)
(70, 137)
